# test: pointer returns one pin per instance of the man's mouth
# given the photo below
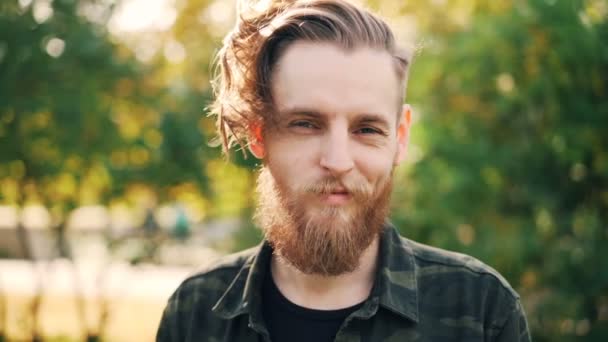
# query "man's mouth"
(336, 197)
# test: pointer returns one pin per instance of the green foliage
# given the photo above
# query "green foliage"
(58, 74)
(82, 121)
(514, 167)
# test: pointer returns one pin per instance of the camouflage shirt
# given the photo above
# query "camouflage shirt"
(420, 293)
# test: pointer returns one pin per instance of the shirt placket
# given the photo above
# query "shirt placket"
(346, 333)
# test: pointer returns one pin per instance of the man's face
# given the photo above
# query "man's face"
(329, 155)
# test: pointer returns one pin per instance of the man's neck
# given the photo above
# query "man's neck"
(327, 293)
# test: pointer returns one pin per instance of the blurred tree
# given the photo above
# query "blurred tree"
(83, 122)
(58, 76)
(512, 162)
(58, 73)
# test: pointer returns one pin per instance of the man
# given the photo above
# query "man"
(315, 89)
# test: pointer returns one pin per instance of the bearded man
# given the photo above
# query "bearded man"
(315, 90)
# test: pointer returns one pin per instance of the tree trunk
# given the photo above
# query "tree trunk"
(3, 310)
(65, 251)
(34, 309)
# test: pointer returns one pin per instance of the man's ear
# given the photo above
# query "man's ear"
(403, 133)
(256, 140)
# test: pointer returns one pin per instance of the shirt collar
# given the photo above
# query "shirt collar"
(396, 281)
(243, 293)
(395, 288)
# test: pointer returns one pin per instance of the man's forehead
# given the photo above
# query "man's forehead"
(324, 78)
(301, 56)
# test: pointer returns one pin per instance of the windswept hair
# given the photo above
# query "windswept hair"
(245, 63)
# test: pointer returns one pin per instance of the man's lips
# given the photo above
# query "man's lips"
(336, 197)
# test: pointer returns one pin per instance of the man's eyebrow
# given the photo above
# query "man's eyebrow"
(300, 112)
(365, 118)
(373, 119)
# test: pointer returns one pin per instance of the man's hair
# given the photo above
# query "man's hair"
(245, 62)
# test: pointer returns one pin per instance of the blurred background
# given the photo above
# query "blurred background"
(111, 194)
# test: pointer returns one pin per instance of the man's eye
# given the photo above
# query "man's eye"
(303, 124)
(369, 131)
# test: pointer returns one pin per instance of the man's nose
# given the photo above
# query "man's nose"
(336, 156)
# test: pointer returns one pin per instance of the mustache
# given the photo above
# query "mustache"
(334, 185)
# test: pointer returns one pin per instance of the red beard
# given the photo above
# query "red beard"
(330, 241)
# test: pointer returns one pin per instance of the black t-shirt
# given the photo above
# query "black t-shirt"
(288, 322)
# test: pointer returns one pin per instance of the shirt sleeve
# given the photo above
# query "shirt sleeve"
(168, 329)
(515, 328)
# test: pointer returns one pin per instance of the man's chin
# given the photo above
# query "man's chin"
(331, 218)
(328, 252)
(331, 210)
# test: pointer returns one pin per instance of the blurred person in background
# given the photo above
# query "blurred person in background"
(315, 90)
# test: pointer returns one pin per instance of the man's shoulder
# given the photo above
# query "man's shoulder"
(217, 274)
(437, 263)
(456, 293)
(198, 294)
